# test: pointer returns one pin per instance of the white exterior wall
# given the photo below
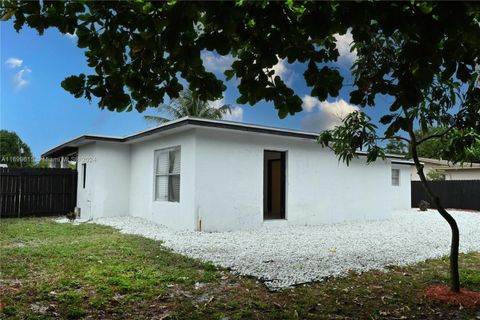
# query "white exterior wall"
(229, 184)
(426, 168)
(465, 174)
(221, 182)
(112, 179)
(107, 187)
(176, 215)
(401, 195)
(86, 155)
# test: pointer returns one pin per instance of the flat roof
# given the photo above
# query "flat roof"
(448, 165)
(72, 145)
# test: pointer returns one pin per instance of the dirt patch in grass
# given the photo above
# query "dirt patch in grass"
(465, 298)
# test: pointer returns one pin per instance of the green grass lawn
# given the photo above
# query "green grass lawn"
(51, 270)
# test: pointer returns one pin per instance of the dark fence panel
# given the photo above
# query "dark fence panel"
(30, 192)
(458, 194)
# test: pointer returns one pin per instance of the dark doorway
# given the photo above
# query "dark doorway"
(274, 185)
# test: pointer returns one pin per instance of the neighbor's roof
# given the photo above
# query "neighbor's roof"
(447, 165)
(71, 146)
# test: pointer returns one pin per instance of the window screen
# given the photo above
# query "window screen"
(167, 175)
(395, 177)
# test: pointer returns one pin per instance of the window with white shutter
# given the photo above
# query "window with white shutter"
(395, 177)
(167, 174)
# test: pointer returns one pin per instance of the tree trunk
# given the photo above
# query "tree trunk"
(454, 273)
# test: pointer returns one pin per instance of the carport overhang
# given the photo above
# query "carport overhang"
(70, 148)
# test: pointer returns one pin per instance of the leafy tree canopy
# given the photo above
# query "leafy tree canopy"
(396, 147)
(422, 54)
(13, 151)
(139, 50)
(42, 164)
(434, 148)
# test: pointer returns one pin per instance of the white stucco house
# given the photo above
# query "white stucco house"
(209, 175)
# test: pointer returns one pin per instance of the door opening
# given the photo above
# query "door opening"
(274, 185)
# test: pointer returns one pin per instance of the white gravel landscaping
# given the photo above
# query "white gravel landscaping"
(286, 256)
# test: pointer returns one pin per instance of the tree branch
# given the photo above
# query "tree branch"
(394, 137)
(438, 135)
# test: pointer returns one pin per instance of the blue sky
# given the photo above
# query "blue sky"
(34, 105)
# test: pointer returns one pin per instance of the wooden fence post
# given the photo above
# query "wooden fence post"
(19, 195)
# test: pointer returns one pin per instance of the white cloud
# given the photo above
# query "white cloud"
(280, 68)
(236, 114)
(19, 78)
(309, 103)
(328, 116)
(216, 63)
(14, 62)
(71, 36)
(285, 73)
(217, 103)
(344, 43)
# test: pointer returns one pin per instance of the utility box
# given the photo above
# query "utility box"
(78, 211)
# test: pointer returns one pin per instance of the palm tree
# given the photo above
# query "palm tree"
(189, 104)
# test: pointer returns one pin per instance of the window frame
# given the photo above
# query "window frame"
(397, 178)
(84, 175)
(168, 175)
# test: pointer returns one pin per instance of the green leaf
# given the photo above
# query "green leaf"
(229, 74)
(395, 106)
(425, 7)
(463, 73)
(147, 8)
(242, 99)
(386, 119)
(74, 85)
(356, 97)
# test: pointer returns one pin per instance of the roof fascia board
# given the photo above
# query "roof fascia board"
(409, 163)
(198, 122)
(78, 140)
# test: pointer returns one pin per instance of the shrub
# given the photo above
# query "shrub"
(434, 175)
(71, 216)
(424, 205)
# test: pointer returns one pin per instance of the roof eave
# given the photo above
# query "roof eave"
(194, 122)
(71, 146)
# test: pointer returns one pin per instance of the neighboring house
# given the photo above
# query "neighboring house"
(211, 175)
(466, 171)
(61, 163)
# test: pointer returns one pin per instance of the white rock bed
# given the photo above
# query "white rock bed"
(286, 256)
